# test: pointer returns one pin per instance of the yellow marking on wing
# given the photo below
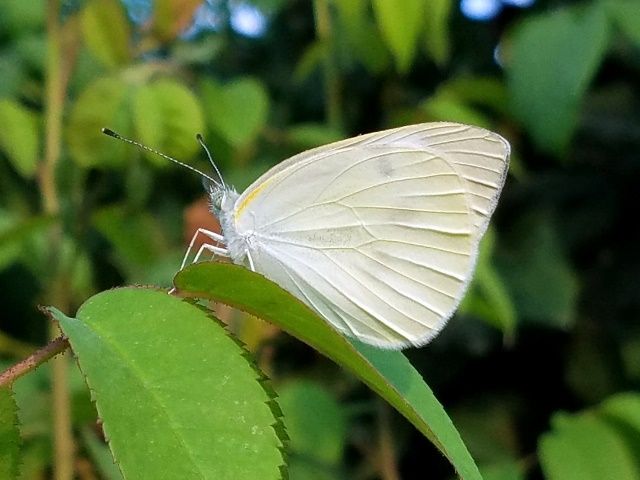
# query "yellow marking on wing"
(247, 200)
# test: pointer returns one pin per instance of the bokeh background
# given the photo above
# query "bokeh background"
(540, 368)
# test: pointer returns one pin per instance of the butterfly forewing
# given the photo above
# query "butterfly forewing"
(378, 233)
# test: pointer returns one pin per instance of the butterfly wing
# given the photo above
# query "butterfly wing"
(378, 233)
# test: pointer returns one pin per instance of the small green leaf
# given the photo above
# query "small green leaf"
(309, 135)
(177, 396)
(626, 15)
(101, 456)
(386, 372)
(488, 296)
(316, 423)
(238, 110)
(107, 31)
(9, 435)
(554, 57)
(167, 116)
(584, 447)
(437, 30)
(537, 274)
(136, 236)
(401, 25)
(102, 104)
(19, 137)
(172, 17)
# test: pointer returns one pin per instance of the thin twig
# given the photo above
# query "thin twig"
(50, 350)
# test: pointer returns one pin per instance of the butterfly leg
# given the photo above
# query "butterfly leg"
(223, 252)
(216, 237)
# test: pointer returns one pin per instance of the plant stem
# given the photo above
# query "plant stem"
(51, 349)
(56, 81)
(331, 79)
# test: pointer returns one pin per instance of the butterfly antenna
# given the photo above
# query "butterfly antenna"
(215, 167)
(113, 134)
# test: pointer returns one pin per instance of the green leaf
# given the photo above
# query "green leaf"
(537, 273)
(554, 57)
(436, 32)
(488, 296)
(107, 31)
(316, 423)
(19, 137)
(9, 435)
(177, 396)
(388, 373)
(237, 111)
(172, 17)
(584, 447)
(15, 233)
(626, 15)
(309, 135)
(167, 115)
(401, 25)
(101, 456)
(102, 104)
(137, 237)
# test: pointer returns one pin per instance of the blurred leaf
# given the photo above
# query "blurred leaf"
(437, 30)
(106, 31)
(488, 296)
(172, 17)
(362, 37)
(593, 370)
(18, 16)
(626, 15)
(508, 470)
(101, 456)
(449, 108)
(386, 372)
(19, 137)
(401, 26)
(315, 421)
(306, 469)
(136, 237)
(488, 92)
(167, 116)
(554, 56)
(537, 274)
(9, 435)
(309, 135)
(311, 60)
(238, 110)
(584, 447)
(176, 379)
(103, 103)
(14, 234)
(488, 425)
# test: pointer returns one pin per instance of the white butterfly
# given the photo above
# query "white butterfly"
(378, 233)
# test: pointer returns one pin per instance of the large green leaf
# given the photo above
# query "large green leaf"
(388, 373)
(401, 24)
(554, 56)
(9, 435)
(106, 31)
(167, 116)
(19, 137)
(177, 396)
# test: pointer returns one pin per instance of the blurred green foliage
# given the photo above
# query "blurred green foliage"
(541, 367)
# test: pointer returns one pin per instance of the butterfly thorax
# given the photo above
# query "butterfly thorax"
(223, 201)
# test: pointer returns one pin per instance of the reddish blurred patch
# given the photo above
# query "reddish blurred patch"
(197, 215)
